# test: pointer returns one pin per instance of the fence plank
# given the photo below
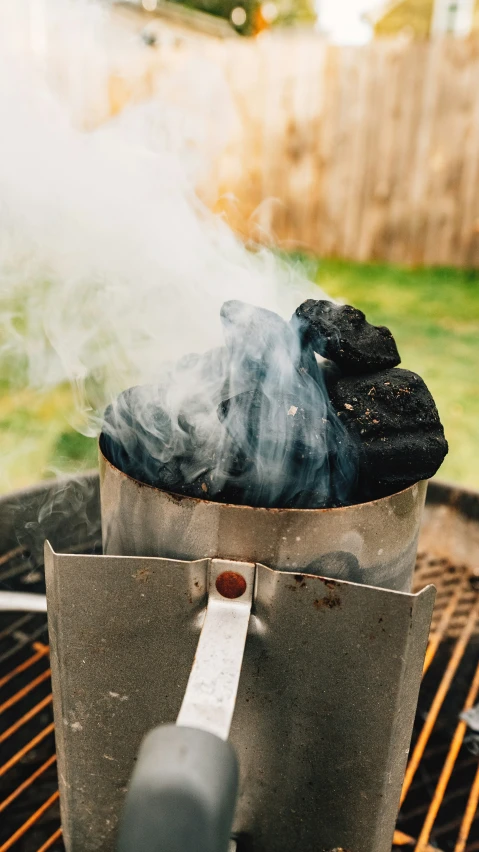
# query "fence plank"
(370, 153)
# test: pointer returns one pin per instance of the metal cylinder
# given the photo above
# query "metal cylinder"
(373, 543)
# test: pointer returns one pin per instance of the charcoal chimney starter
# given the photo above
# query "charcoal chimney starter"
(320, 689)
(279, 631)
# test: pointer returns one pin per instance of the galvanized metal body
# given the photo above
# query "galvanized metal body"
(382, 535)
(323, 715)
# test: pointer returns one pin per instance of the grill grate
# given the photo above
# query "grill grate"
(29, 812)
(441, 788)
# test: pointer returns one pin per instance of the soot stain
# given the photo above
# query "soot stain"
(328, 602)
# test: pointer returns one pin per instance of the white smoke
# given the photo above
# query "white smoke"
(109, 263)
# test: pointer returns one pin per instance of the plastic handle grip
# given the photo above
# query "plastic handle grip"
(182, 793)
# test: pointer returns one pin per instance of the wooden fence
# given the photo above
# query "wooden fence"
(370, 153)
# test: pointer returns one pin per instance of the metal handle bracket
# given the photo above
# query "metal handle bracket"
(210, 696)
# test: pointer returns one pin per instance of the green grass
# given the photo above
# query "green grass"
(36, 440)
(433, 314)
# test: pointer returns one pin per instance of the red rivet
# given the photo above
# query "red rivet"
(231, 585)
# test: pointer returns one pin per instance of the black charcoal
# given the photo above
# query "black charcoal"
(342, 334)
(393, 419)
(259, 422)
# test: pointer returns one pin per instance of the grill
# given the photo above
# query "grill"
(441, 787)
(28, 783)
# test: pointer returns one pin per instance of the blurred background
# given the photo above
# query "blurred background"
(341, 134)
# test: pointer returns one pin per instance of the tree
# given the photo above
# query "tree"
(250, 16)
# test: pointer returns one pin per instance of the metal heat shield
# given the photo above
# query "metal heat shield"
(324, 711)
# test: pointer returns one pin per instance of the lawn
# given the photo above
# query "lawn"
(36, 440)
(434, 315)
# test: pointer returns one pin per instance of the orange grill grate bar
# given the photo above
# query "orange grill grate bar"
(438, 634)
(41, 652)
(26, 718)
(27, 783)
(25, 690)
(454, 792)
(447, 770)
(402, 839)
(23, 751)
(452, 666)
(29, 822)
(469, 815)
(51, 840)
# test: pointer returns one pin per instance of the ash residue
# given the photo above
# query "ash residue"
(261, 422)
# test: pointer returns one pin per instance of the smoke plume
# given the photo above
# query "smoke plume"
(112, 271)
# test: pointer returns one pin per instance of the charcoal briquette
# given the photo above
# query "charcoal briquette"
(394, 422)
(342, 334)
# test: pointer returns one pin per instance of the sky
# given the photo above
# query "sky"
(342, 19)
